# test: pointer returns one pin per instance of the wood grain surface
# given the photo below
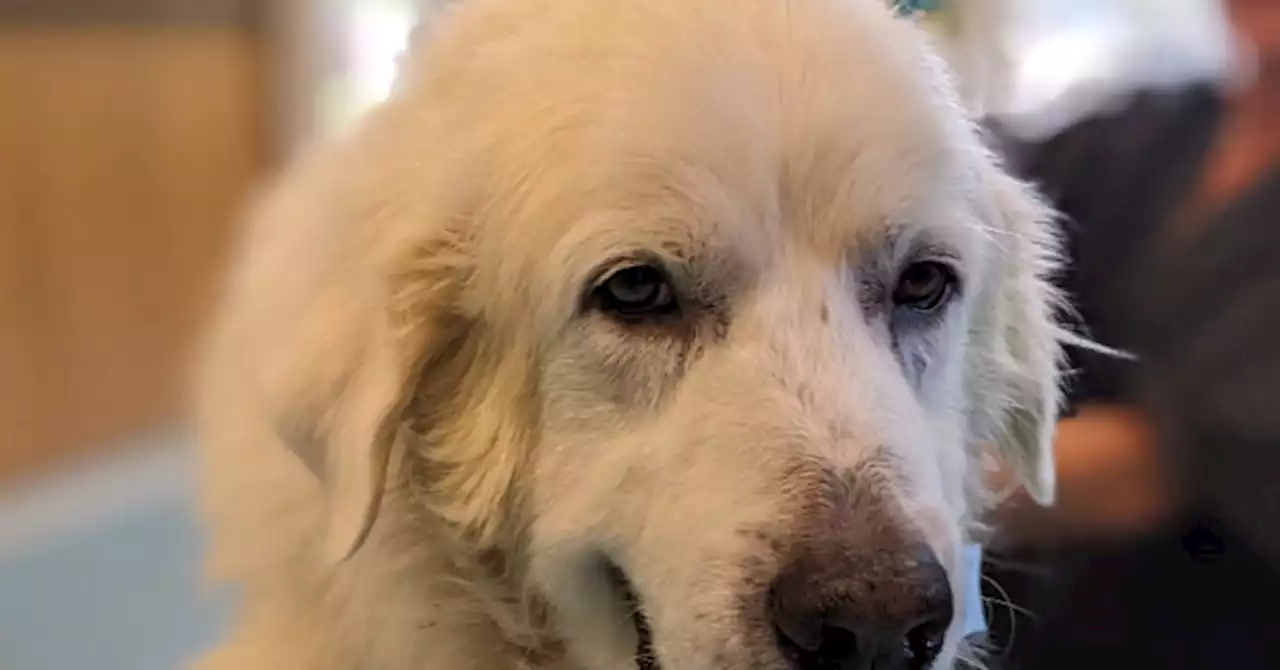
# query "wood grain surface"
(125, 150)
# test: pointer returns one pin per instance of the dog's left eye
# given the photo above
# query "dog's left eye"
(924, 286)
(635, 291)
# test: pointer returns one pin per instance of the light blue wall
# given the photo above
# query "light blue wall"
(121, 592)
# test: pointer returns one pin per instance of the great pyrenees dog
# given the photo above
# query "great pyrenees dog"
(630, 334)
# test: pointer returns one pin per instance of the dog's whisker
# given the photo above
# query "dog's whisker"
(1011, 607)
(971, 660)
(1015, 611)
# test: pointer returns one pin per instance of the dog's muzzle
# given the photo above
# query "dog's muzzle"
(839, 606)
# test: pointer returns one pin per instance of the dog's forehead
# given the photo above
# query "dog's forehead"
(760, 122)
(818, 134)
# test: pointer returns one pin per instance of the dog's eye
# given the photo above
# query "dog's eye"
(639, 290)
(924, 286)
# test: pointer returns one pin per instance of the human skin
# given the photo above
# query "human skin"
(1112, 482)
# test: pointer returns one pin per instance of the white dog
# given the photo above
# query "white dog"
(630, 334)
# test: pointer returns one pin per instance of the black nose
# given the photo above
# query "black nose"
(840, 608)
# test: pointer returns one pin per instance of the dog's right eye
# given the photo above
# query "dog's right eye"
(925, 286)
(636, 291)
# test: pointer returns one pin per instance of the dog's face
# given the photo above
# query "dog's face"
(706, 309)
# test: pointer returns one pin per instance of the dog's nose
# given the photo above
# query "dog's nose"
(836, 609)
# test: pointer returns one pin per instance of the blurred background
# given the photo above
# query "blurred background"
(131, 131)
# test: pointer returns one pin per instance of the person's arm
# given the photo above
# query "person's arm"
(1112, 481)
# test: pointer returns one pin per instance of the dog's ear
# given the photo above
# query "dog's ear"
(1018, 375)
(340, 378)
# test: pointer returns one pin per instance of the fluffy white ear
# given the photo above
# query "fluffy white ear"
(342, 367)
(336, 389)
(1017, 329)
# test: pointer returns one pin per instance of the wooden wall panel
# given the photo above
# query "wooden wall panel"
(124, 153)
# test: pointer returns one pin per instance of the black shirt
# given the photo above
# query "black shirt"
(1204, 318)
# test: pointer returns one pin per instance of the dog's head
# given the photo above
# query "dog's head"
(706, 307)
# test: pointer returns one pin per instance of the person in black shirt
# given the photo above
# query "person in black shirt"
(1189, 576)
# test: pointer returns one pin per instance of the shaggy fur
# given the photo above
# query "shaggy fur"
(419, 441)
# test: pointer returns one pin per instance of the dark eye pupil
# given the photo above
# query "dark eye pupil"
(635, 285)
(924, 286)
(636, 290)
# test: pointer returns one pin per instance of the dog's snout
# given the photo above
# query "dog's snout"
(841, 608)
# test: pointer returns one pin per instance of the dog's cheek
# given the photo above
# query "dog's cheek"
(950, 420)
(593, 396)
(602, 400)
(608, 370)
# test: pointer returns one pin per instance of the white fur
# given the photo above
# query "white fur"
(417, 443)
